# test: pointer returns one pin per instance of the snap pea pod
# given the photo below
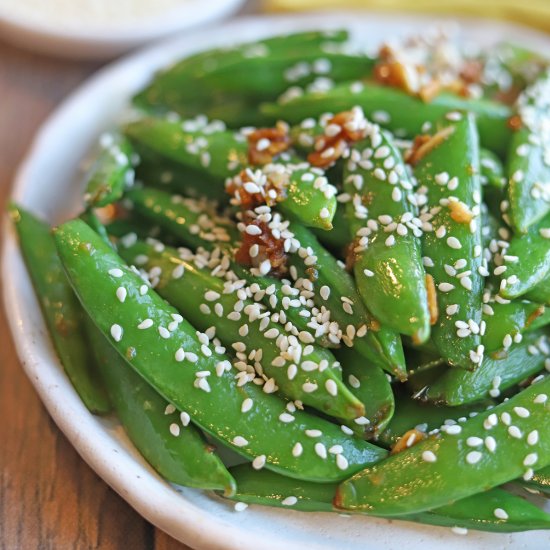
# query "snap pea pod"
(459, 387)
(387, 257)
(452, 238)
(509, 320)
(425, 417)
(172, 446)
(405, 114)
(204, 301)
(62, 312)
(196, 223)
(528, 169)
(540, 481)
(168, 89)
(475, 512)
(531, 260)
(378, 344)
(111, 173)
(540, 292)
(198, 388)
(207, 152)
(425, 476)
(371, 385)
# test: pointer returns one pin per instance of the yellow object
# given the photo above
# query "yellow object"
(535, 13)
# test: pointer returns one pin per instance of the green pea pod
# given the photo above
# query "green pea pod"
(540, 292)
(539, 482)
(509, 320)
(335, 290)
(451, 244)
(173, 447)
(206, 152)
(137, 327)
(194, 222)
(528, 169)
(205, 302)
(459, 387)
(169, 89)
(475, 512)
(111, 173)
(388, 260)
(62, 312)
(490, 449)
(371, 385)
(531, 254)
(404, 115)
(411, 413)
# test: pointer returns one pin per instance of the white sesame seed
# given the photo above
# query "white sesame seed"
(533, 437)
(428, 456)
(459, 530)
(286, 418)
(211, 296)
(320, 450)
(531, 459)
(174, 429)
(164, 332)
(289, 501)
(342, 462)
(515, 432)
(239, 441)
(541, 398)
(453, 242)
(331, 387)
(522, 412)
(246, 405)
(259, 462)
(445, 287)
(297, 450)
(473, 457)
(240, 506)
(500, 513)
(491, 444)
(180, 355)
(170, 409)
(147, 323)
(116, 272)
(116, 332)
(474, 441)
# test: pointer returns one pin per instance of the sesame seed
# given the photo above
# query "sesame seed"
(473, 457)
(325, 292)
(541, 398)
(240, 506)
(164, 332)
(170, 409)
(445, 287)
(246, 405)
(192, 357)
(341, 462)
(147, 323)
(289, 501)
(259, 462)
(286, 418)
(459, 530)
(533, 437)
(180, 355)
(174, 429)
(116, 272)
(320, 450)
(354, 381)
(474, 441)
(331, 387)
(500, 513)
(116, 332)
(297, 450)
(211, 296)
(428, 456)
(515, 432)
(531, 459)
(313, 433)
(239, 441)
(522, 412)
(453, 242)
(490, 444)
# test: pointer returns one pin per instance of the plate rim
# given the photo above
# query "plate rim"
(38, 358)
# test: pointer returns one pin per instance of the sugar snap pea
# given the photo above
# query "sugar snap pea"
(111, 173)
(206, 301)
(62, 312)
(451, 244)
(458, 386)
(528, 159)
(405, 115)
(491, 448)
(475, 512)
(186, 371)
(173, 447)
(335, 289)
(526, 261)
(425, 417)
(387, 257)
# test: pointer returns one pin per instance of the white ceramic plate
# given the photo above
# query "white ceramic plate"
(45, 184)
(86, 40)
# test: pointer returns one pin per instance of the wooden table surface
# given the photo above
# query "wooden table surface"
(49, 497)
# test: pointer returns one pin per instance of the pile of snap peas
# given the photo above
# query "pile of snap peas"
(339, 270)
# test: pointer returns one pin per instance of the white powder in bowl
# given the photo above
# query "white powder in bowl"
(74, 13)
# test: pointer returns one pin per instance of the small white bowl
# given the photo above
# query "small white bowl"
(94, 41)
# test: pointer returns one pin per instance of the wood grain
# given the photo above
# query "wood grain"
(49, 498)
